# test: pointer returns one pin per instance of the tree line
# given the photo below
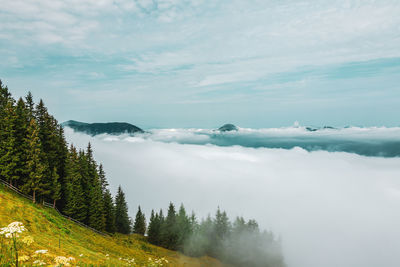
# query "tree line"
(35, 157)
(239, 243)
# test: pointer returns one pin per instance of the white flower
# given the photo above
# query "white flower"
(63, 261)
(41, 251)
(80, 255)
(13, 228)
(107, 255)
(39, 262)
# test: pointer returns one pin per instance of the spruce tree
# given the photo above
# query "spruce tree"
(5, 100)
(30, 105)
(109, 212)
(122, 222)
(221, 231)
(96, 211)
(184, 227)
(5, 96)
(21, 144)
(153, 232)
(75, 202)
(169, 234)
(35, 168)
(139, 226)
(48, 137)
(9, 151)
(61, 165)
(102, 178)
(56, 187)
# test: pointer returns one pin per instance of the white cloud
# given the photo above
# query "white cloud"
(332, 209)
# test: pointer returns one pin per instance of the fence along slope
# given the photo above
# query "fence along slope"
(48, 205)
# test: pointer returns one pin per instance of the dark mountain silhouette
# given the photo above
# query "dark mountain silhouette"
(228, 127)
(113, 128)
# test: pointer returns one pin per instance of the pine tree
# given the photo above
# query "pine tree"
(21, 144)
(96, 215)
(48, 137)
(109, 212)
(122, 222)
(96, 211)
(5, 100)
(91, 165)
(169, 233)
(61, 165)
(56, 187)
(109, 209)
(35, 168)
(139, 226)
(153, 232)
(9, 151)
(222, 225)
(30, 105)
(184, 227)
(102, 178)
(75, 206)
(5, 95)
(85, 182)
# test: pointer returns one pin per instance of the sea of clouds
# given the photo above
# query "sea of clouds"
(330, 208)
(372, 141)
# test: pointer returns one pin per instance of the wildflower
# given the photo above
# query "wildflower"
(27, 240)
(23, 258)
(39, 262)
(107, 255)
(13, 229)
(41, 251)
(63, 261)
(80, 255)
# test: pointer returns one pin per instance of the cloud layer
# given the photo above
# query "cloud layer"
(331, 209)
(373, 141)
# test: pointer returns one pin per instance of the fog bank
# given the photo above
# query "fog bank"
(331, 209)
(370, 141)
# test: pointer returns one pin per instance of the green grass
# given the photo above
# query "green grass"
(62, 237)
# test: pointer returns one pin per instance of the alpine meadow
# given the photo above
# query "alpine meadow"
(200, 133)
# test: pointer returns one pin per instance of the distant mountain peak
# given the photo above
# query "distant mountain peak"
(227, 128)
(113, 128)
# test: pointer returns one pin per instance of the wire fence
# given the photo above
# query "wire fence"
(48, 205)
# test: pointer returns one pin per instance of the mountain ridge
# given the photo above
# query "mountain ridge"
(113, 128)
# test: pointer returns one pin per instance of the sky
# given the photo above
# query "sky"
(180, 63)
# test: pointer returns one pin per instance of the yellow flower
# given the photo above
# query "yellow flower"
(27, 240)
(23, 258)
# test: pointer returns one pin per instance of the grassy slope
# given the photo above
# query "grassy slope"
(48, 229)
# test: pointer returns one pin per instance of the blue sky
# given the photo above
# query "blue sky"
(178, 63)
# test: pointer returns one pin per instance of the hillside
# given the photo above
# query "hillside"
(62, 237)
(102, 128)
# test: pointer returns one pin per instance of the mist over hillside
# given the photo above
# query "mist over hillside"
(330, 208)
